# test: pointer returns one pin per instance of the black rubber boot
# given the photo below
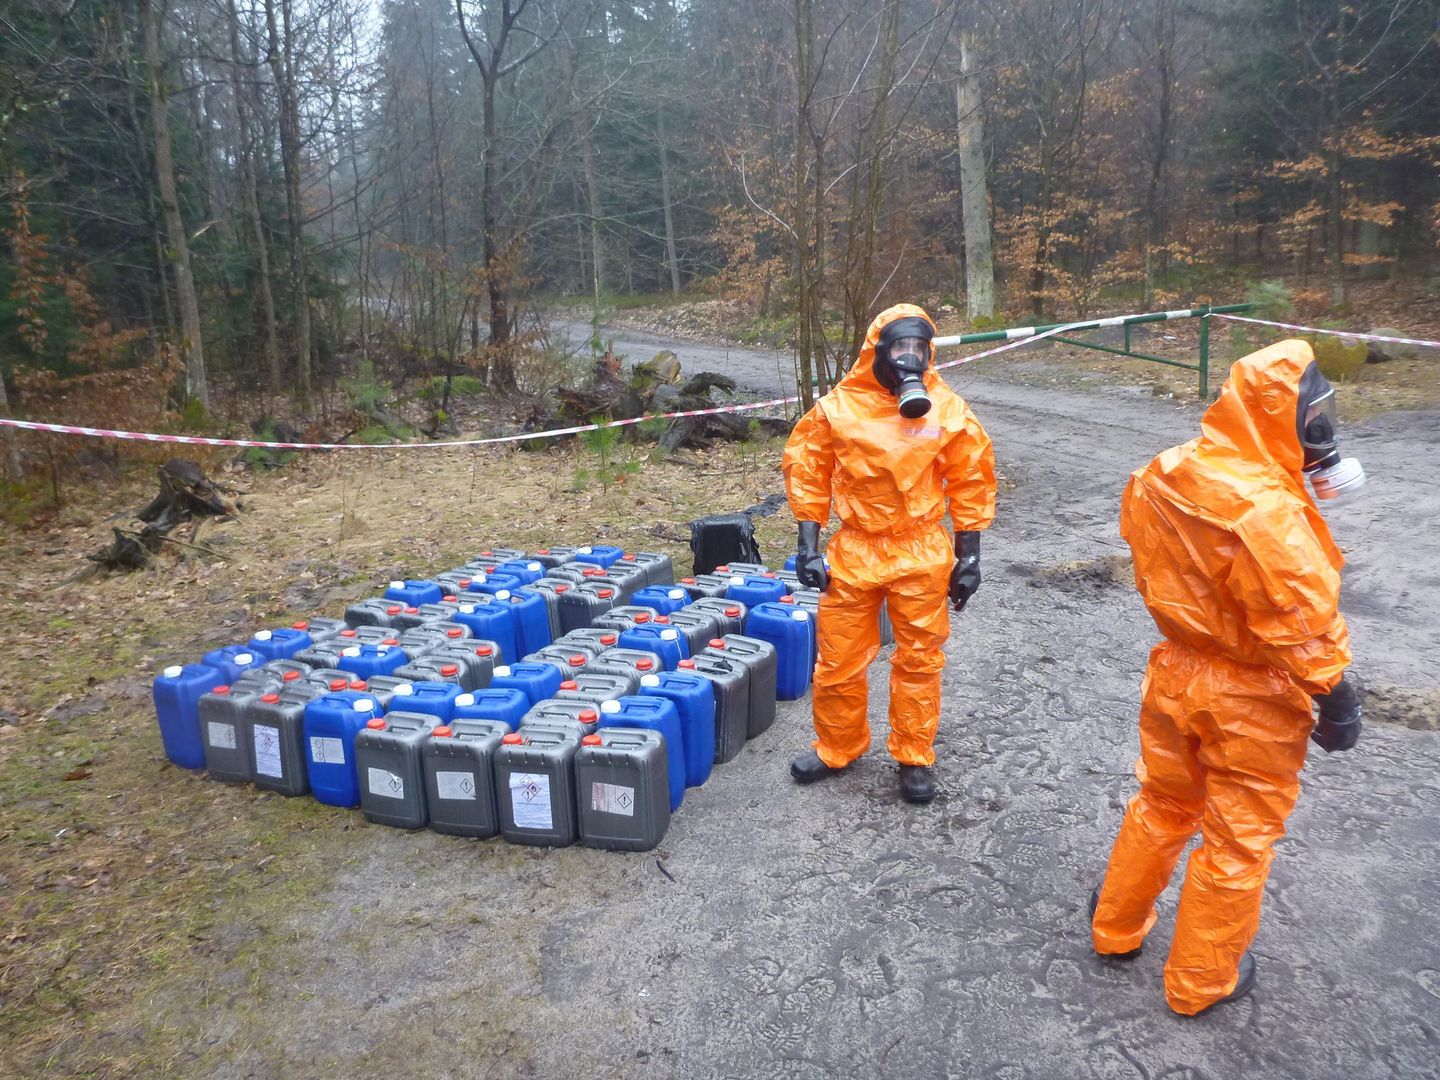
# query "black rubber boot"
(1244, 983)
(807, 768)
(917, 785)
(1132, 954)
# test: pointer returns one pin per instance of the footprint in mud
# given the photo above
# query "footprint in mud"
(1415, 709)
(1081, 575)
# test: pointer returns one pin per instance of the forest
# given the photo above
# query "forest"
(225, 206)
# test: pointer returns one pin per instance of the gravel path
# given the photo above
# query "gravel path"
(833, 931)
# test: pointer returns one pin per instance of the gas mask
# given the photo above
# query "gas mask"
(1330, 474)
(902, 356)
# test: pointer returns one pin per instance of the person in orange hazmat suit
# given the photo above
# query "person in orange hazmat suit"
(1242, 578)
(892, 448)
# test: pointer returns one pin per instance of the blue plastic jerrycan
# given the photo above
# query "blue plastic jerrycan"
(177, 693)
(504, 705)
(654, 714)
(791, 630)
(331, 723)
(368, 660)
(528, 571)
(694, 699)
(489, 620)
(754, 589)
(494, 582)
(535, 679)
(433, 699)
(279, 644)
(414, 593)
(605, 555)
(232, 661)
(664, 641)
(532, 618)
(663, 598)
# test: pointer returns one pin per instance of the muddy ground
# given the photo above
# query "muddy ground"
(778, 931)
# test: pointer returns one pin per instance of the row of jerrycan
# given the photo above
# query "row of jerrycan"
(256, 700)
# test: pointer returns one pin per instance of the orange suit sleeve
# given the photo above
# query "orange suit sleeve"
(967, 465)
(808, 465)
(1289, 591)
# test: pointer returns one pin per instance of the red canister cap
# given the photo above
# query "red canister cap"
(465, 582)
(576, 659)
(483, 650)
(449, 598)
(591, 740)
(686, 663)
(449, 669)
(390, 641)
(644, 664)
(513, 739)
(717, 643)
(442, 732)
(303, 624)
(347, 632)
(339, 684)
(290, 676)
(377, 724)
(663, 619)
(609, 639)
(568, 684)
(732, 612)
(687, 581)
(723, 568)
(411, 610)
(357, 684)
(604, 594)
(642, 617)
(588, 716)
(562, 588)
(787, 599)
(221, 690)
(394, 609)
(269, 699)
(628, 557)
(454, 631)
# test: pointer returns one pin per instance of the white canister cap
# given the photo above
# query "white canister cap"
(534, 566)
(263, 635)
(737, 580)
(397, 584)
(353, 650)
(669, 634)
(244, 658)
(502, 594)
(403, 689)
(465, 700)
(584, 550)
(364, 704)
(467, 609)
(676, 594)
(611, 706)
(649, 680)
(800, 616)
(173, 671)
(503, 670)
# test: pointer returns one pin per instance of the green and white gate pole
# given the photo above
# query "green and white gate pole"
(1127, 321)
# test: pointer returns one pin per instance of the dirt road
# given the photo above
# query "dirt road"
(833, 931)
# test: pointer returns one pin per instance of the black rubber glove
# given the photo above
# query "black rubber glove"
(1339, 725)
(809, 563)
(965, 574)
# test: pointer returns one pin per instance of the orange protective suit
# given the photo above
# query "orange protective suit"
(1240, 574)
(890, 480)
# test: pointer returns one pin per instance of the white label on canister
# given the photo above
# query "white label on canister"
(326, 751)
(455, 785)
(530, 798)
(612, 799)
(385, 783)
(648, 680)
(267, 751)
(222, 735)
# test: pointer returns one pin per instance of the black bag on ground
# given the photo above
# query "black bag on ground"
(720, 539)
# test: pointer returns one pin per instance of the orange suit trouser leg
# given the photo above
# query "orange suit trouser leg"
(1241, 731)
(921, 622)
(849, 629)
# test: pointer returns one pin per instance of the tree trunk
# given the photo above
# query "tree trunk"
(252, 207)
(282, 67)
(665, 198)
(14, 470)
(974, 197)
(592, 198)
(191, 347)
(502, 366)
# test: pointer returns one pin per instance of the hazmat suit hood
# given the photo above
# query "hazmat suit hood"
(1254, 416)
(861, 375)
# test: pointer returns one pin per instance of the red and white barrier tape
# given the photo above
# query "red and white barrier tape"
(1336, 333)
(200, 440)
